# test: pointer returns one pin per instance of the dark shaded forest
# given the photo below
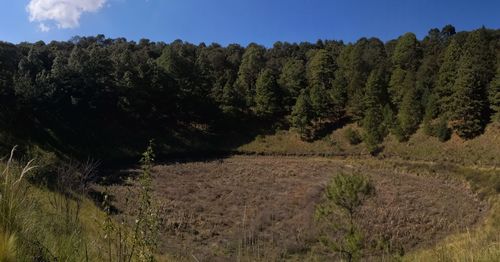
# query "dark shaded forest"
(109, 97)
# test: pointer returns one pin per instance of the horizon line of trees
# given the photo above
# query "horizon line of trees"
(99, 89)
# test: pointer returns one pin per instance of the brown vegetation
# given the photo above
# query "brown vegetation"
(263, 207)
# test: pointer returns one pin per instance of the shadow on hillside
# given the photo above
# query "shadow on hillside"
(329, 128)
(119, 148)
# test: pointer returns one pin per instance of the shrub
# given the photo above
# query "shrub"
(400, 134)
(428, 127)
(441, 130)
(438, 128)
(352, 136)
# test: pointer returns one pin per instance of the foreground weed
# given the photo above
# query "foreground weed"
(141, 242)
(13, 195)
(7, 247)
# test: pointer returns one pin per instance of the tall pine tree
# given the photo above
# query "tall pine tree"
(494, 94)
(374, 101)
(302, 116)
(266, 95)
(470, 100)
(252, 63)
(326, 101)
(292, 80)
(447, 76)
(410, 110)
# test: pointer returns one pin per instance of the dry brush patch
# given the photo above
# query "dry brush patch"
(264, 206)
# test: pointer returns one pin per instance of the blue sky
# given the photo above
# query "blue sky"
(238, 21)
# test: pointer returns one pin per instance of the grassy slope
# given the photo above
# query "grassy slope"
(47, 229)
(46, 221)
(481, 151)
(91, 219)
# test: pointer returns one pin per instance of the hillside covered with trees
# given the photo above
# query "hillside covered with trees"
(105, 97)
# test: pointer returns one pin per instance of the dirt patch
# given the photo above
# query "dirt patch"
(264, 206)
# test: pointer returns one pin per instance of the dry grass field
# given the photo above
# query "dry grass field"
(262, 208)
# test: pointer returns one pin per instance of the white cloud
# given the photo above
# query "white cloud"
(65, 13)
(43, 27)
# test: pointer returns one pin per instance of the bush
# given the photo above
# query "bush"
(373, 140)
(428, 127)
(438, 128)
(441, 130)
(352, 136)
(400, 135)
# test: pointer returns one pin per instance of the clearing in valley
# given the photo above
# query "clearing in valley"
(263, 207)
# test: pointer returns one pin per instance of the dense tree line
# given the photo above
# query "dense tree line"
(98, 92)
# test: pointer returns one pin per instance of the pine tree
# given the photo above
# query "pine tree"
(373, 119)
(232, 101)
(494, 94)
(468, 103)
(389, 122)
(321, 69)
(409, 116)
(338, 98)
(357, 79)
(365, 56)
(302, 116)
(30, 70)
(343, 74)
(470, 98)
(430, 113)
(407, 52)
(320, 101)
(447, 76)
(396, 83)
(292, 80)
(405, 59)
(252, 63)
(447, 32)
(326, 101)
(441, 130)
(266, 97)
